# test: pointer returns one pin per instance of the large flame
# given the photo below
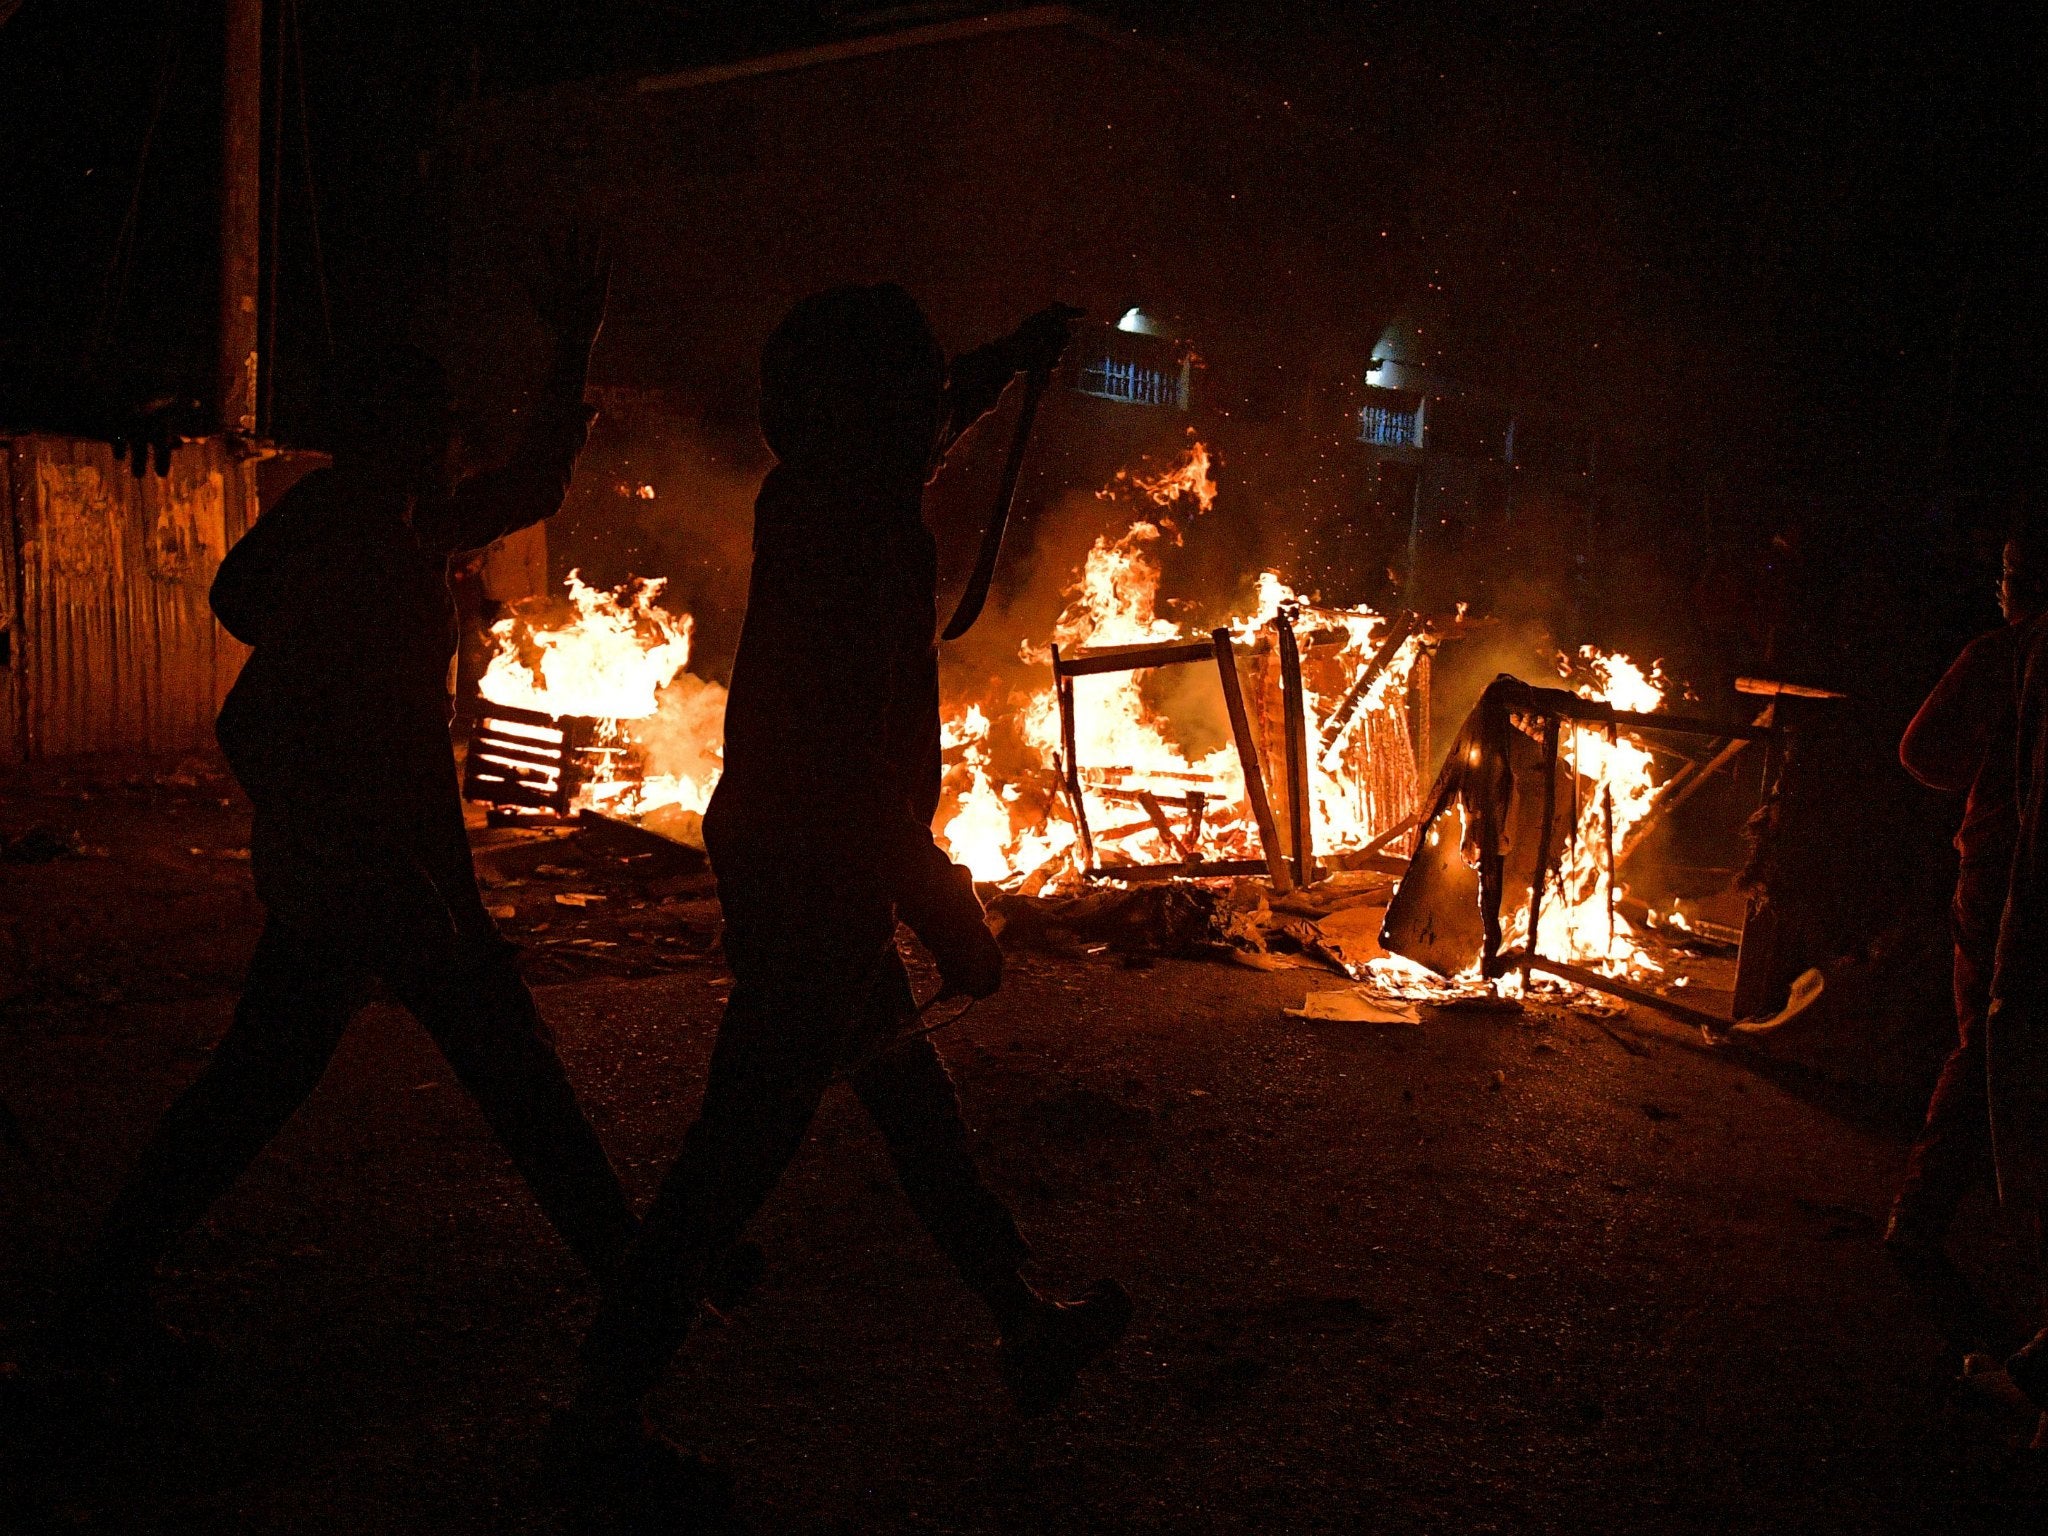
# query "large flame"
(1158, 767)
(619, 657)
(1613, 779)
(1150, 795)
(611, 660)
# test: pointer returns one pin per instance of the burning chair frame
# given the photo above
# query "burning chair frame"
(1552, 708)
(1287, 867)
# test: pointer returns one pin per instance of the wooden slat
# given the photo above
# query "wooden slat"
(1248, 759)
(1130, 658)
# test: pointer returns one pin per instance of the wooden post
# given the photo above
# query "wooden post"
(1756, 959)
(1063, 694)
(1248, 758)
(241, 216)
(1294, 725)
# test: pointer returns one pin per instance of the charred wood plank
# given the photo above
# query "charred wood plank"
(1712, 1023)
(1248, 759)
(1130, 658)
(1404, 625)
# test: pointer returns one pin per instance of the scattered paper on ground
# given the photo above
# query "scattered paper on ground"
(1346, 1006)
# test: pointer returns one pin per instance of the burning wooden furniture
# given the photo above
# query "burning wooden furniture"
(1132, 658)
(1488, 844)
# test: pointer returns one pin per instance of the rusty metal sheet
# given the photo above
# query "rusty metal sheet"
(114, 647)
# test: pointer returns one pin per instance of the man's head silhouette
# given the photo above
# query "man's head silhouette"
(854, 373)
(391, 417)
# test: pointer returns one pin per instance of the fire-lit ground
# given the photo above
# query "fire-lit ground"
(1473, 1275)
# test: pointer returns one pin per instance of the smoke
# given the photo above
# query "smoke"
(685, 736)
(661, 493)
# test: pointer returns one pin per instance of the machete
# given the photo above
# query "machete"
(992, 536)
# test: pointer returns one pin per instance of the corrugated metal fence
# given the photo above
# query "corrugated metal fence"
(109, 644)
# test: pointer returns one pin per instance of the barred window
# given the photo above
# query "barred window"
(1132, 364)
(1135, 383)
(1390, 418)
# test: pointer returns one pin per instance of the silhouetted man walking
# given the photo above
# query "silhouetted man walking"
(338, 730)
(1963, 740)
(820, 835)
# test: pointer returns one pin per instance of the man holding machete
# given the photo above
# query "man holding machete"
(820, 835)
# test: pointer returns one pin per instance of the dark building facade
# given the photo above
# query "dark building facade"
(1231, 256)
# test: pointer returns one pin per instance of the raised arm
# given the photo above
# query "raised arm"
(570, 300)
(977, 379)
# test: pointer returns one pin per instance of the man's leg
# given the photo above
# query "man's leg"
(2028, 1367)
(295, 1005)
(483, 1017)
(769, 1069)
(1953, 1152)
(910, 1096)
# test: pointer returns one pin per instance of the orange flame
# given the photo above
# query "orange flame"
(619, 658)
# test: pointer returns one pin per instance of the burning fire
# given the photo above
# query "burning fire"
(1160, 773)
(611, 661)
(1613, 778)
(619, 658)
(1151, 796)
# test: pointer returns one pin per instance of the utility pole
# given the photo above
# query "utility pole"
(241, 216)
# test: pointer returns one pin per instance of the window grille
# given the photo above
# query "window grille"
(1390, 418)
(1387, 426)
(1135, 383)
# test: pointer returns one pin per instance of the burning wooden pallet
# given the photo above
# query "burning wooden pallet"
(524, 761)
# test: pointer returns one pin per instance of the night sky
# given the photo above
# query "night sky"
(1824, 214)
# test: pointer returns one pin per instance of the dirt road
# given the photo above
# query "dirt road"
(1477, 1275)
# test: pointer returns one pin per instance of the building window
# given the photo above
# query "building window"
(1115, 378)
(1391, 418)
(1133, 366)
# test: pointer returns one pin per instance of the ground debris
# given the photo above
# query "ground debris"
(1355, 1005)
(1332, 925)
(1169, 919)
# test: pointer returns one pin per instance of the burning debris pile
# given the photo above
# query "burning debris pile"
(648, 736)
(1091, 772)
(643, 736)
(1106, 758)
